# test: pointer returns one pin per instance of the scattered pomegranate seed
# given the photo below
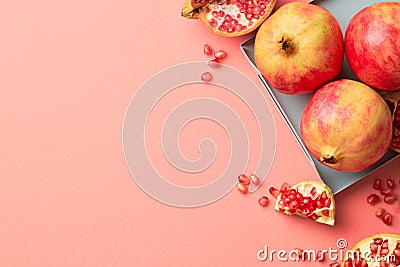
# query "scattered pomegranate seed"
(207, 50)
(274, 191)
(373, 199)
(263, 201)
(389, 199)
(377, 184)
(242, 188)
(243, 179)
(380, 212)
(206, 76)
(213, 63)
(254, 178)
(221, 54)
(299, 253)
(334, 264)
(387, 218)
(390, 183)
(386, 191)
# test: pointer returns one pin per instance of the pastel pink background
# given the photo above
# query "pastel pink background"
(67, 72)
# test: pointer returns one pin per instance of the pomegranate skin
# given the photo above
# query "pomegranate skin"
(372, 45)
(299, 48)
(346, 125)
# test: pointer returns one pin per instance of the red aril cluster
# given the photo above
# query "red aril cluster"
(229, 17)
(309, 199)
(393, 100)
(381, 250)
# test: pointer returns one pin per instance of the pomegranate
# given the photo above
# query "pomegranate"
(375, 251)
(299, 48)
(229, 17)
(346, 125)
(393, 100)
(310, 199)
(372, 45)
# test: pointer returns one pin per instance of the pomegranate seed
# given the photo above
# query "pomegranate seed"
(389, 199)
(325, 213)
(254, 178)
(213, 63)
(306, 212)
(373, 199)
(274, 191)
(378, 240)
(380, 212)
(242, 188)
(243, 179)
(373, 247)
(220, 54)
(284, 187)
(313, 191)
(386, 191)
(263, 201)
(390, 183)
(334, 264)
(377, 184)
(320, 256)
(328, 202)
(387, 218)
(206, 76)
(314, 217)
(299, 253)
(207, 50)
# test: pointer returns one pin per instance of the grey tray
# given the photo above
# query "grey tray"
(291, 107)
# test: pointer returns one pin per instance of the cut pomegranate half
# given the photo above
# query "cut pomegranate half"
(229, 17)
(310, 199)
(381, 250)
(393, 100)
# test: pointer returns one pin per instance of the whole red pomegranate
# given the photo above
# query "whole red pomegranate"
(346, 125)
(299, 48)
(229, 17)
(372, 45)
